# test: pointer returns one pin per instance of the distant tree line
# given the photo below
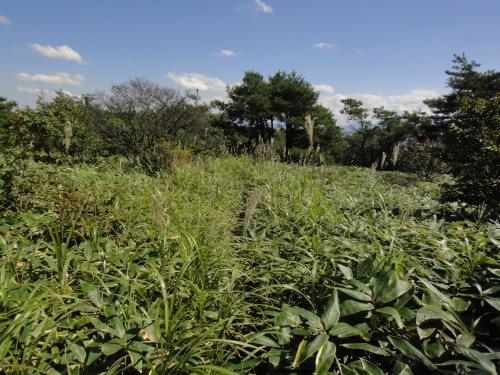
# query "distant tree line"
(155, 127)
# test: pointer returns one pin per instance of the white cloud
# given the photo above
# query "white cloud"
(198, 81)
(54, 79)
(34, 91)
(324, 45)
(324, 88)
(226, 52)
(409, 101)
(4, 20)
(59, 52)
(263, 7)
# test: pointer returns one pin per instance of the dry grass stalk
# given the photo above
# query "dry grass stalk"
(395, 153)
(68, 134)
(384, 157)
(252, 203)
(310, 130)
(266, 150)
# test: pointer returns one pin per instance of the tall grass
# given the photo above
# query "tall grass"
(233, 265)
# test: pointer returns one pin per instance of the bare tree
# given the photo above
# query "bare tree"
(140, 119)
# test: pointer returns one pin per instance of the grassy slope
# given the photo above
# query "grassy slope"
(106, 270)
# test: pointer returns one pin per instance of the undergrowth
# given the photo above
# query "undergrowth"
(232, 265)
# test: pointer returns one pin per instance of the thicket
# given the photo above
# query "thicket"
(131, 241)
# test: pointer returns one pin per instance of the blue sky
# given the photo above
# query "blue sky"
(383, 52)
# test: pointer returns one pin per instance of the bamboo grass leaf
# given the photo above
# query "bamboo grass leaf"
(410, 351)
(355, 294)
(353, 307)
(325, 358)
(331, 314)
(392, 312)
(393, 291)
(368, 348)
(307, 350)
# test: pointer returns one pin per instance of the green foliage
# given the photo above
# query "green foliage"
(474, 152)
(468, 121)
(376, 141)
(293, 99)
(57, 129)
(233, 265)
(7, 120)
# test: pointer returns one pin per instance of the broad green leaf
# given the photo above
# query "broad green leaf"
(381, 282)
(460, 305)
(309, 350)
(367, 366)
(93, 293)
(331, 314)
(495, 271)
(401, 369)
(365, 266)
(353, 307)
(448, 317)
(466, 339)
(429, 298)
(299, 355)
(109, 348)
(355, 294)
(477, 357)
(433, 350)
(492, 290)
(393, 291)
(493, 302)
(312, 319)
(410, 351)
(343, 330)
(325, 358)
(360, 285)
(427, 320)
(265, 341)
(281, 321)
(346, 271)
(292, 314)
(94, 354)
(84, 307)
(114, 321)
(99, 325)
(406, 313)
(135, 356)
(443, 297)
(394, 313)
(78, 350)
(275, 356)
(368, 348)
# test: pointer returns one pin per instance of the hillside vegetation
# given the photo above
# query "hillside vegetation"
(232, 265)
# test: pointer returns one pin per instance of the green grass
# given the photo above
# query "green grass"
(230, 265)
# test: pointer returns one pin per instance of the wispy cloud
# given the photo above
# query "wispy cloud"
(54, 79)
(4, 20)
(263, 7)
(59, 52)
(198, 81)
(324, 45)
(226, 52)
(29, 90)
